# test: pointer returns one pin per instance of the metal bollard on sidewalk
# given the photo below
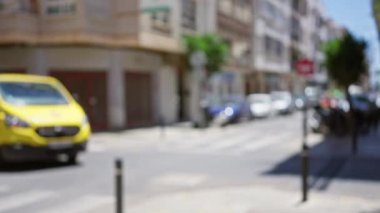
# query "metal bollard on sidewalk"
(305, 158)
(305, 173)
(119, 185)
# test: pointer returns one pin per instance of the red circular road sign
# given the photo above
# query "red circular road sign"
(305, 67)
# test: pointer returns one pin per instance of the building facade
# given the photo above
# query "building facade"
(119, 62)
(124, 60)
(232, 21)
(271, 43)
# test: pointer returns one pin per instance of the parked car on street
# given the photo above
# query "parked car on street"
(260, 105)
(225, 110)
(282, 102)
(300, 101)
(365, 112)
(39, 119)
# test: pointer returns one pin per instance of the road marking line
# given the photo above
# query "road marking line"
(81, 205)
(268, 141)
(4, 189)
(214, 136)
(178, 179)
(224, 143)
(96, 148)
(23, 199)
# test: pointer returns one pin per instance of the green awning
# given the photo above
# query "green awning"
(163, 8)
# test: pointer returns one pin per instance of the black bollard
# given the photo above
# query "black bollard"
(305, 158)
(305, 173)
(119, 185)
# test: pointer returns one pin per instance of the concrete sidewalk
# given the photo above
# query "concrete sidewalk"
(252, 199)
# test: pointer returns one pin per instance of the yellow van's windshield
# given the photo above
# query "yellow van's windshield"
(24, 93)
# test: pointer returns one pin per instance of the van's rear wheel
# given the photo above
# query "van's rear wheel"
(2, 158)
(72, 158)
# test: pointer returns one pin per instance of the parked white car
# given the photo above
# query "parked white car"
(282, 102)
(260, 105)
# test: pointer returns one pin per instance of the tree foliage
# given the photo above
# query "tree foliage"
(346, 60)
(212, 46)
(346, 63)
(376, 12)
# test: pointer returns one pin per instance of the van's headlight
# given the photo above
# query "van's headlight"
(13, 121)
(85, 120)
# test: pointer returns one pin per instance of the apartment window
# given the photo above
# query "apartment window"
(273, 48)
(296, 5)
(304, 7)
(29, 6)
(268, 48)
(225, 6)
(300, 6)
(98, 9)
(243, 10)
(161, 21)
(273, 15)
(59, 7)
(296, 32)
(247, 11)
(18, 6)
(268, 45)
(189, 14)
(279, 49)
(269, 9)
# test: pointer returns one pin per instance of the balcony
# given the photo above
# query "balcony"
(231, 26)
(88, 22)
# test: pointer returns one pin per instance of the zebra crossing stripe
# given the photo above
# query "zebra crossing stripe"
(23, 199)
(225, 143)
(268, 141)
(216, 136)
(4, 189)
(94, 147)
(83, 204)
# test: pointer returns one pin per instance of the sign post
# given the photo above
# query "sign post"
(198, 61)
(305, 69)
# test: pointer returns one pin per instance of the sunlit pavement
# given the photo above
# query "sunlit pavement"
(249, 167)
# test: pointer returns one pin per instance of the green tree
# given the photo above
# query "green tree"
(376, 13)
(346, 63)
(212, 46)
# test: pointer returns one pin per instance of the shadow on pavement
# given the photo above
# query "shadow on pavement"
(332, 158)
(34, 166)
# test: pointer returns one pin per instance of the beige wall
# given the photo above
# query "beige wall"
(114, 61)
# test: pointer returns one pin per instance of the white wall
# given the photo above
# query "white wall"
(277, 31)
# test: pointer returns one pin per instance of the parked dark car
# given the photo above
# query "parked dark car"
(226, 110)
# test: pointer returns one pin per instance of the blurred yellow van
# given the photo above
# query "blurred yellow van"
(39, 119)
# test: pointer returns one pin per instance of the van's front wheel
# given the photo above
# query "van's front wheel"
(72, 158)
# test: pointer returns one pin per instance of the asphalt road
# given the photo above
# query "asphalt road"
(158, 162)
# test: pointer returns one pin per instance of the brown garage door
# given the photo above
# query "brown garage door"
(138, 90)
(90, 89)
